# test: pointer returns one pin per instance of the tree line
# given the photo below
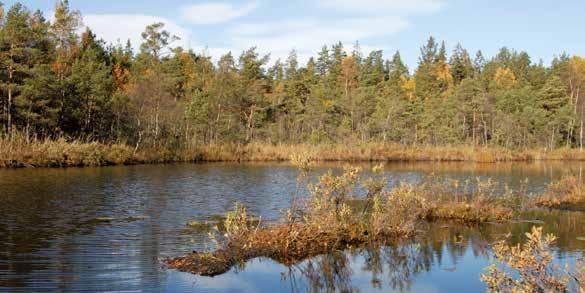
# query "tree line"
(56, 83)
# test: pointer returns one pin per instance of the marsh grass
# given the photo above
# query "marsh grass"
(567, 193)
(382, 152)
(335, 216)
(20, 151)
(448, 199)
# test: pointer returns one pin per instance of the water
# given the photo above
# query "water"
(107, 229)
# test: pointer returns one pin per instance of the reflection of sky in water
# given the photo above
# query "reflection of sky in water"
(266, 276)
(51, 238)
(436, 263)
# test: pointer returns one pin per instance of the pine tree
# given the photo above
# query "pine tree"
(91, 77)
(479, 62)
(323, 62)
(397, 71)
(64, 30)
(65, 27)
(461, 64)
(292, 65)
(15, 57)
(426, 75)
(155, 40)
(388, 121)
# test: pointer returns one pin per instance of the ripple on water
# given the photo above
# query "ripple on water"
(106, 229)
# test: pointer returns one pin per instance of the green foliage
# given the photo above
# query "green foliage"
(156, 39)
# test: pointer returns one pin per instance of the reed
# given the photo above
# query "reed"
(20, 152)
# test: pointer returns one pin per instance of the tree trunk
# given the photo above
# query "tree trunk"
(552, 138)
(581, 136)
(250, 123)
(485, 132)
(139, 140)
(156, 122)
(386, 126)
(9, 103)
(569, 133)
(473, 130)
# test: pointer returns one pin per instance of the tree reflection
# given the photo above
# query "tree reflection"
(391, 267)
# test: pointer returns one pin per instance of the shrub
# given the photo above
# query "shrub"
(529, 268)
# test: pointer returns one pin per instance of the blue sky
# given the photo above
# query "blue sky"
(544, 28)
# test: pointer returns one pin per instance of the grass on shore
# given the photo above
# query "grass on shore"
(382, 152)
(19, 152)
(335, 216)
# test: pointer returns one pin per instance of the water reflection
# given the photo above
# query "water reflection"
(443, 258)
(101, 229)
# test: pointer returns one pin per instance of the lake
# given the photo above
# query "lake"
(108, 229)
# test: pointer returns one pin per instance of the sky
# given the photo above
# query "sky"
(543, 28)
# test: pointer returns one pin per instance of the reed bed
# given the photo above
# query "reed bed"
(20, 152)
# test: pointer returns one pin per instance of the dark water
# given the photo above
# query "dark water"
(107, 229)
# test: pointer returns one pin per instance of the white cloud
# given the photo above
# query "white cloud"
(370, 22)
(214, 52)
(115, 28)
(307, 37)
(384, 6)
(273, 27)
(216, 12)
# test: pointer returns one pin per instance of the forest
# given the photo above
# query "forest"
(57, 83)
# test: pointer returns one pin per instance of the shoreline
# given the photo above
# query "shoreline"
(60, 154)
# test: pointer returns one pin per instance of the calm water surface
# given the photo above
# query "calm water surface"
(107, 229)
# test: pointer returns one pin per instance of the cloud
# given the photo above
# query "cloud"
(216, 12)
(308, 36)
(114, 28)
(370, 22)
(393, 7)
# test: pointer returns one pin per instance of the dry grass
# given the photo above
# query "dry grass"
(19, 152)
(361, 152)
(455, 200)
(567, 193)
(60, 153)
(328, 219)
(282, 243)
(383, 152)
(335, 216)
